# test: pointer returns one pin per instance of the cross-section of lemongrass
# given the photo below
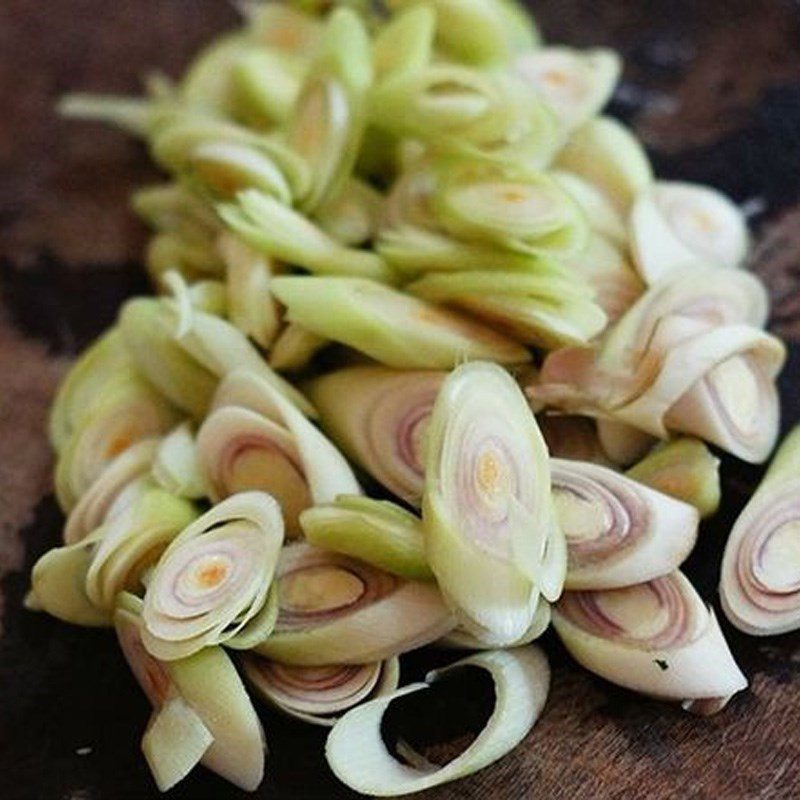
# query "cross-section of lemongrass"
(573, 437)
(760, 583)
(390, 326)
(375, 531)
(294, 348)
(337, 610)
(603, 217)
(251, 307)
(463, 639)
(214, 577)
(352, 216)
(490, 529)
(359, 758)
(320, 695)
(540, 310)
(675, 224)
(280, 232)
(117, 485)
(207, 684)
(378, 417)
(658, 638)
(405, 42)
(256, 439)
(683, 468)
(618, 532)
(623, 443)
(575, 84)
(259, 102)
(175, 465)
(605, 153)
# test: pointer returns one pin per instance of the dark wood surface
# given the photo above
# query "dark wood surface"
(713, 87)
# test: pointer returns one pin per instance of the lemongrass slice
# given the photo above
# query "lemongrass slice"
(675, 224)
(319, 695)
(657, 638)
(390, 326)
(214, 577)
(294, 348)
(605, 153)
(353, 214)
(255, 439)
(405, 42)
(359, 758)
(375, 531)
(379, 416)
(175, 464)
(282, 27)
(195, 260)
(618, 532)
(463, 639)
(575, 84)
(173, 208)
(683, 468)
(490, 529)
(600, 212)
(260, 102)
(572, 437)
(280, 232)
(622, 443)
(207, 683)
(337, 610)
(760, 584)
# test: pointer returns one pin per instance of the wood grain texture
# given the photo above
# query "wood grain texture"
(714, 89)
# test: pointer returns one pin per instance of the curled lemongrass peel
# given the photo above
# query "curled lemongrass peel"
(760, 584)
(618, 532)
(213, 578)
(657, 638)
(337, 610)
(175, 464)
(359, 758)
(491, 534)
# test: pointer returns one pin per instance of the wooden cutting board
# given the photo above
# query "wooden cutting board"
(713, 87)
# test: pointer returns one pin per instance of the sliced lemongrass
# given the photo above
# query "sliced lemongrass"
(285, 234)
(209, 296)
(605, 153)
(375, 531)
(657, 638)
(618, 532)
(678, 224)
(405, 42)
(359, 758)
(623, 444)
(353, 214)
(760, 584)
(214, 577)
(572, 437)
(685, 469)
(379, 416)
(172, 207)
(600, 212)
(487, 509)
(319, 695)
(260, 626)
(266, 83)
(194, 259)
(337, 610)
(175, 464)
(282, 27)
(131, 114)
(463, 639)
(294, 348)
(392, 327)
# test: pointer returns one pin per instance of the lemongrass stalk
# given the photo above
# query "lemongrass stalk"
(658, 638)
(572, 437)
(359, 758)
(193, 259)
(622, 443)
(405, 42)
(759, 582)
(266, 83)
(294, 348)
(352, 216)
(600, 212)
(618, 532)
(175, 466)
(319, 695)
(392, 327)
(463, 639)
(213, 578)
(375, 531)
(490, 530)
(685, 469)
(378, 417)
(337, 610)
(131, 114)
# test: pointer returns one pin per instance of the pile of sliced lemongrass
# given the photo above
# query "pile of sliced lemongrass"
(425, 192)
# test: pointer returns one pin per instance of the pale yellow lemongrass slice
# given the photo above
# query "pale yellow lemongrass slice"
(476, 639)
(603, 217)
(175, 465)
(294, 348)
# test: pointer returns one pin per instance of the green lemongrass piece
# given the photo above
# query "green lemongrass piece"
(572, 437)
(353, 215)
(622, 443)
(618, 532)
(266, 84)
(256, 439)
(608, 155)
(540, 310)
(600, 212)
(251, 307)
(172, 207)
(575, 84)
(294, 348)
(175, 464)
(193, 259)
(462, 639)
(683, 468)
(379, 416)
(213, 578)
(278, 231)
(337, 610)
(758, 586)
(391, 327)
(209, 296)
(359, 758)
(405, 42)
(282, 27)
(209, 684)
(375, 531)
(677, 224)
(319, 695)
(657, 638)
(116, 486)
(488, 516)
(131, 114)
